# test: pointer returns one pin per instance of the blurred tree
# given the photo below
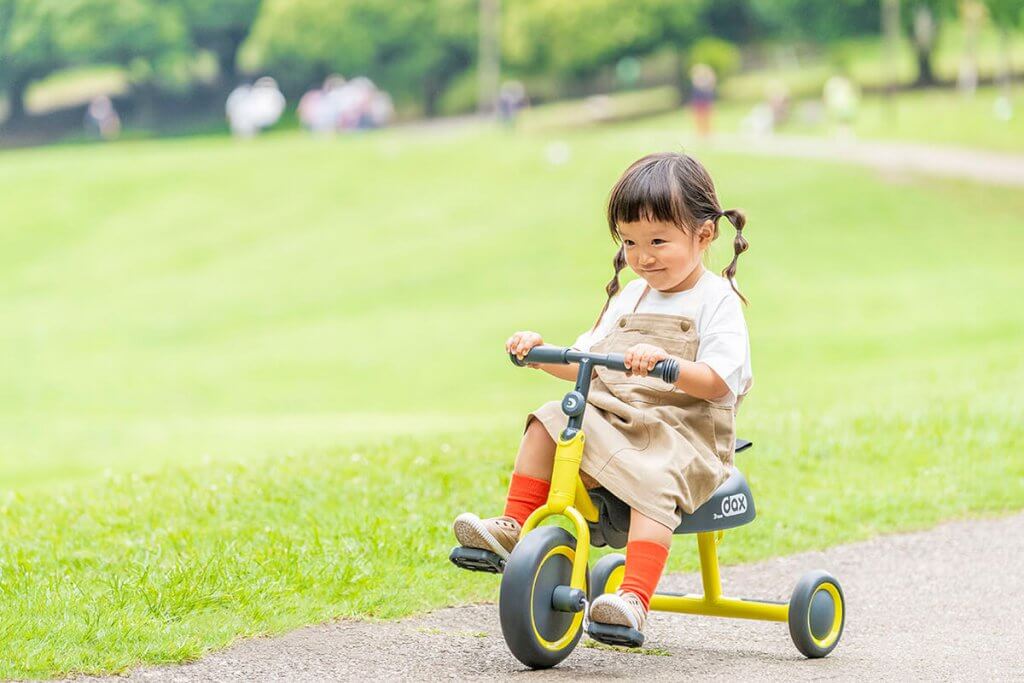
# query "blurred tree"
(1007, 15)
(738, 21)
(818, 21)
(38, 37)
(28, 50)
(220, 27)
(722, 56)
(574, 40)
(412, 49)
(925, 18)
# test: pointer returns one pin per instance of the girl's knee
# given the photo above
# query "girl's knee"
(535, 429)
(643, 528)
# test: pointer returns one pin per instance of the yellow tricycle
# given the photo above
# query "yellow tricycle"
(547, 585)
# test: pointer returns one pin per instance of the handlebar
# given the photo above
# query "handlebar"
(667, 370)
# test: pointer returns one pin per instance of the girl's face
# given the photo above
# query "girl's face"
(668, 258)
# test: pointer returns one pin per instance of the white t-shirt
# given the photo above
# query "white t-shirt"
(716, 311)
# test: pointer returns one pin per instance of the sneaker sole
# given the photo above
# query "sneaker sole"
(471, 533)
(610, 634)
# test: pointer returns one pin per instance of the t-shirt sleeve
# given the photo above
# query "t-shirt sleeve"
(725, 346)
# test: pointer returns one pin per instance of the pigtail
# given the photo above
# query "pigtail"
(739, 245)
(612, 288)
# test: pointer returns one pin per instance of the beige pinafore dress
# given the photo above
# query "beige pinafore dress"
(655, 447)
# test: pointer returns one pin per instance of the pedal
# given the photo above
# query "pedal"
(612, 634)
(477, 560)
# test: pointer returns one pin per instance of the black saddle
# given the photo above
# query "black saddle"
(730, 506)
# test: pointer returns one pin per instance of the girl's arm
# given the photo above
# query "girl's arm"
(557, 370)
(700, 381)
(696, 379)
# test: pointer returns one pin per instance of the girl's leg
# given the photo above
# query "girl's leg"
(646, 554)
(531, 479)
(536, 452)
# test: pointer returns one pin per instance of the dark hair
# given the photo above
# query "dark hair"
(674, 188)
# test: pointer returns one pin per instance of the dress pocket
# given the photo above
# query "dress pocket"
(723, 420)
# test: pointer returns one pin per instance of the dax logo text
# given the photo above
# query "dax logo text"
(735, 504)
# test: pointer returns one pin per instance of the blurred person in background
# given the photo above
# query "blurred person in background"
(702, 96)
(511, 99)
(101, 119)
(317, 108)
(341, 105)
(841, 98)
(362, 91)
(382, 109)
(237, 112)
(252, 108)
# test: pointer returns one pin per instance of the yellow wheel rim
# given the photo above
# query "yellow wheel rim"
(577, 620)
(614, 579)
(837, 616)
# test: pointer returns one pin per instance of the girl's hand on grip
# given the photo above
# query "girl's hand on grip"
(520, 344)
(640, 358)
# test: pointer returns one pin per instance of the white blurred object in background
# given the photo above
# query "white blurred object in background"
(252, 108)
(558, 153)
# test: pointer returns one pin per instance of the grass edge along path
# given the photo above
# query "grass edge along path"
(165, 567)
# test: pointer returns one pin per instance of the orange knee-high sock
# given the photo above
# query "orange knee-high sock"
(645, 560)
(525, 494)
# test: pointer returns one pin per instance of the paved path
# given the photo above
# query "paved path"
(981, 166)
(947, 604)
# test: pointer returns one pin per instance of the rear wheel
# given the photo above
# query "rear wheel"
(606, 576)
(539, 635)
(817, 614)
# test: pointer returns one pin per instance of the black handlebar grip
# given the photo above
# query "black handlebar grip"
(542, 354)
(668, 369)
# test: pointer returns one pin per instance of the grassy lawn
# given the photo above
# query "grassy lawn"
(936, 116)
(248, 385)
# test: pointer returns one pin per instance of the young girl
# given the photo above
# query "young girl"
(662, 449)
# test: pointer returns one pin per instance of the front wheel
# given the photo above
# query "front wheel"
(817, 614)
(538, 635)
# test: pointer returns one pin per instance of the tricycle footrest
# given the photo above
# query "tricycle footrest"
(477, 560)
(611, 634)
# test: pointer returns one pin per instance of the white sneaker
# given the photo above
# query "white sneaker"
(497, 534)
(619, 609)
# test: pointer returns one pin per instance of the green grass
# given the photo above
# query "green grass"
(249, 385)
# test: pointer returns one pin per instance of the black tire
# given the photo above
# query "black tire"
(602, 573)
(817, 614)
(538, 635)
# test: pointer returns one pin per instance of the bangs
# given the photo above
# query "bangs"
(647, 191)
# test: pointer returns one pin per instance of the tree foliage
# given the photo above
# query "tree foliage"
(413, 49)
(575, 39)
(816, 20)
(220, 27)
(38, 37)
(1006, 14)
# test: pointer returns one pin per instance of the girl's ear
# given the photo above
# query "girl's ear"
(705, 234)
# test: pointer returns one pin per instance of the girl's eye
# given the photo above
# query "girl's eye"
(658, 241)
(628, 243)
